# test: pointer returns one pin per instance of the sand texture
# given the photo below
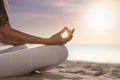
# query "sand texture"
(76, 70)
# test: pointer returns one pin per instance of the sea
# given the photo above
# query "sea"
(94, 53)
(91, 53)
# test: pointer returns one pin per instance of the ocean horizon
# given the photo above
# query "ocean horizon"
(94, 52)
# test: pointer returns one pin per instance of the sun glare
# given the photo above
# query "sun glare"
(100, 18)
(65, 34)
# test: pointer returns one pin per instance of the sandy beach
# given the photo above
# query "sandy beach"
(76, 70)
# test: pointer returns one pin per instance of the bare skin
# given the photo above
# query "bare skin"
(14, 37)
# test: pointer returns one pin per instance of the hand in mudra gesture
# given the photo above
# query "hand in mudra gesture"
(58, 39)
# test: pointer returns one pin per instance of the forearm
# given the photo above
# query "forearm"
(11, 42)
(29, 38)
(23, 37)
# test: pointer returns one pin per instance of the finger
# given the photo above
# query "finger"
(73, 30)
(69, 39)
(69, 32)
(65, 40)
(63, 30)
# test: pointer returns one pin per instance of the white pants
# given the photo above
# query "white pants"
(21, 60)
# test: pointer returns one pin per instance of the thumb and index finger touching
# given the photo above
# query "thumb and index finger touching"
(69, 31)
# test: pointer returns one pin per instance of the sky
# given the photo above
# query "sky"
(95, 21)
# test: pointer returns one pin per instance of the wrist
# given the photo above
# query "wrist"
(47, 41)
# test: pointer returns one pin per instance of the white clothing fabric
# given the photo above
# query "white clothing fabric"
(20, 60)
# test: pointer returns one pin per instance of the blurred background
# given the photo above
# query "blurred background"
(97, 24)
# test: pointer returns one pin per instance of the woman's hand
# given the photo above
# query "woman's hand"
(57, 39)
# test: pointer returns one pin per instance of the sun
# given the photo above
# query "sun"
(100, 18)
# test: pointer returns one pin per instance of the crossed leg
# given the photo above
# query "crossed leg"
(21, 60)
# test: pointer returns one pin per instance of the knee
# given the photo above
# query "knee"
(61, 54)
(64, 53)
(52, 55)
